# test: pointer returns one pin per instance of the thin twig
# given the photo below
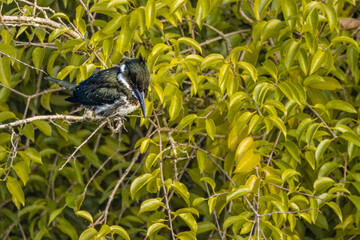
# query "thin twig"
(82, 144)
(207, 42)
(227, 42)
(167, 202)
(233, 183)
(111, 197)
(28, 65)
(244, 89)
(273, 149)
(214, 211)
(322, 120)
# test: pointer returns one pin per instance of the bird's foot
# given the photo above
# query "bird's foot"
(116, 123)
(89, 115)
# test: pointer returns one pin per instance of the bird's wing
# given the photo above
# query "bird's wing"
(101, 88)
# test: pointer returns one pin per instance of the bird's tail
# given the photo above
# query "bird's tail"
(61, 83)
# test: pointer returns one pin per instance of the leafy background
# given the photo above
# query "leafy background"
(252, 129)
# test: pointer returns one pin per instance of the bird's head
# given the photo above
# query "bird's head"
(137, 76)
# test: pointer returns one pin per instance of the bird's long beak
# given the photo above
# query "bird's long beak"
(141, 98)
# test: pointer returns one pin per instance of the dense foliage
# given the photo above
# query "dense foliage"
(252, 130)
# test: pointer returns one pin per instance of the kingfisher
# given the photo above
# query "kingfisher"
(116, 91)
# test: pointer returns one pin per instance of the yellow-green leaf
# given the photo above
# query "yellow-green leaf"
(120, 231)
(88, 234)
(191, 42)
(16, 191)
(210, 128)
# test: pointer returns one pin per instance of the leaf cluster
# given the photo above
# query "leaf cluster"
(252, 129)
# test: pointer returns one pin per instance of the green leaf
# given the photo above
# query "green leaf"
(237, 192)
(291, 52)
(329, 83)
(182, 190)
(341, 105)
(43, 126)
(176, 5)
(86, 215)
(321, 148)
(56, 33)
(7, 115)
(38, 56)
(175, 107)
(279, 124)
(22, 170)
(61, 15)
(189, 220)
(205, 227)
(212, 202)
(45, 101)
(293, 150)
(104, 230)
(327, 168)
(88, 234)
(336, 209)
(114, 24)
(260, 8)
(155, 228)
(34, 155)
(126, 34)
(187, 210)
(210, 128)
(197, 201)
(249, 68)
(210, 181)
(355, 200)
(144, 145)
(138, 183)
(288, 174)
(248, 162)
(5, 72)
(323, 183)
(201, 12)
(120, 231)
(117, 2)
(186, 121)
(212, 60)
(351, 137)
(16, 191)
(313, 79)
(317, 61)
(150, 15)
(202, 160)
(342, 39)
(54, 214)
(151, 205)
(303, 61)
(331, 17)
(191, 42)
(67, 228)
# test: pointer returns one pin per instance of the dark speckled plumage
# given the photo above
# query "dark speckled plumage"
(115, 91)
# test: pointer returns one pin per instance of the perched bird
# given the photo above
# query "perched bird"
(116, 91)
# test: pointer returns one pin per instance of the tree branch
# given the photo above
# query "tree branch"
(18, 21)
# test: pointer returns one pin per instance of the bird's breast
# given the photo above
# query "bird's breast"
(121, 107)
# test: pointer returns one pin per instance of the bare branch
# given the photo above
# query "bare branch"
(51, 117)
(18, 21)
